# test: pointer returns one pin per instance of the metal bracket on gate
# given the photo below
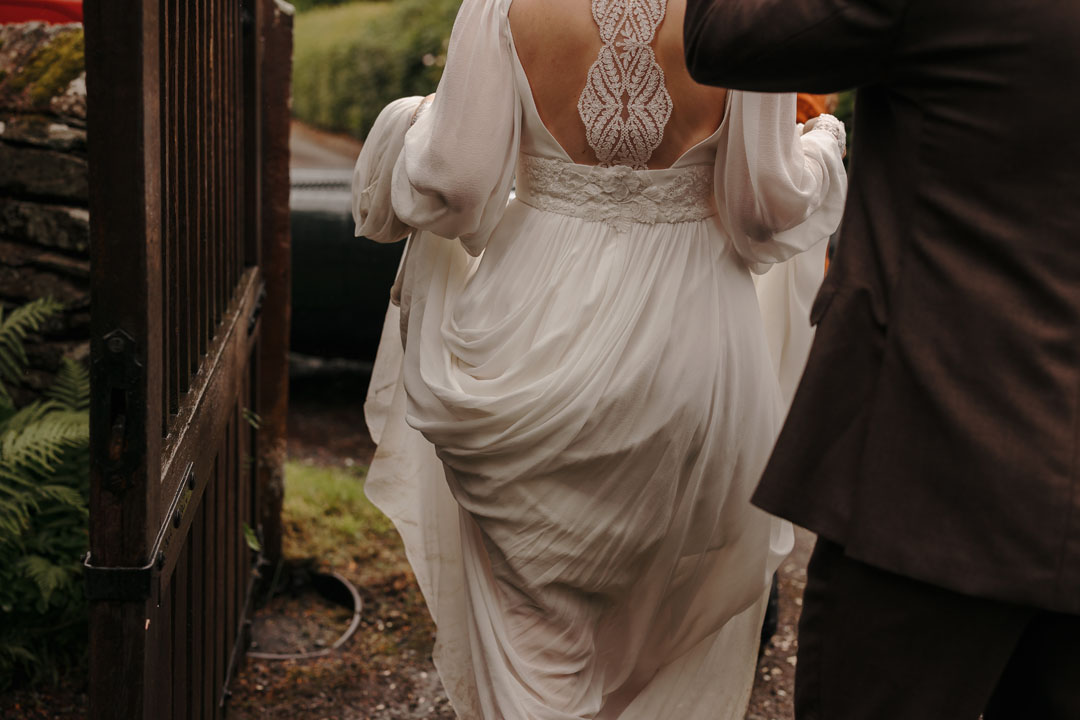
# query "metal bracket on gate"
(123, 584)
(131, 584)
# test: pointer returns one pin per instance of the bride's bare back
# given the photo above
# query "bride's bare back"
(558, 41)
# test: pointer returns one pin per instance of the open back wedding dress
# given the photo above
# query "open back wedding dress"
(581, 388)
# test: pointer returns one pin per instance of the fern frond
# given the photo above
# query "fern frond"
(45, 574)
(12, 478)
(40, 446)
(14, 328)
(12, 652)
(31, 415)
(63, 512)
(9, 490)
(44, 458)
(15, 517)
(66, 522)
(72, 386)
(62, 494)
(7, 403)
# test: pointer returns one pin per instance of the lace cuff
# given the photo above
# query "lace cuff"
(832, 125)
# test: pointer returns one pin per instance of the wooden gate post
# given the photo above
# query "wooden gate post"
(273, 384)
(122, 64)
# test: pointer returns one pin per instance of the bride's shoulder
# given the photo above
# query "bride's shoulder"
(553, 28)
(550, 18)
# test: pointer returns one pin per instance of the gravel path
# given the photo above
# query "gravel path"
(774, 687)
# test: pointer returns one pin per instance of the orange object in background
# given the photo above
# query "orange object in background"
(50, 11)
(810, 106)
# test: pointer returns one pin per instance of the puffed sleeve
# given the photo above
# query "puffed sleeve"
(373, 212)
(451, 172)
(780, 186)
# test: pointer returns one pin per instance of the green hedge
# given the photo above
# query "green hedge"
(352, 60)
(305, 5)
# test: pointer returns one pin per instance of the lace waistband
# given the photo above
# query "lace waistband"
(618, 196)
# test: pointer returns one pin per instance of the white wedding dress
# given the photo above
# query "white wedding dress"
(580, 389)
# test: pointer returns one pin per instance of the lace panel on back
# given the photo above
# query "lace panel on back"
(625, 104)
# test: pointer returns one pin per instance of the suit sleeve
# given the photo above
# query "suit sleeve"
(818, 46)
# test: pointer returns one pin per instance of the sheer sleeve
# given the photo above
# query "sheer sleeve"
(373, 174)
(451, 172)
(780, 186)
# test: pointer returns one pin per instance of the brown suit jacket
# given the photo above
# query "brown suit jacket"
(935, 433)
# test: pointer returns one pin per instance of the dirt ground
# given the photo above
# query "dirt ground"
(66, 701)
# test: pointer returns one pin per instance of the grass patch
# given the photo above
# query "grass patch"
(327, 517)
(380, 672)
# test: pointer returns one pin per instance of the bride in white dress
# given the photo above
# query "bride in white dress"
(580, 389)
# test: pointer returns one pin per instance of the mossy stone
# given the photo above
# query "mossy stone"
(52, 68)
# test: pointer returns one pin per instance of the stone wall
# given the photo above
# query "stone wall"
(44, 220)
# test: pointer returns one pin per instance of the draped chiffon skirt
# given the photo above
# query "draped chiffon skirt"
(569, 429)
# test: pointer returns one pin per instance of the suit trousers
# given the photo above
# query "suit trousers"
(878, 646)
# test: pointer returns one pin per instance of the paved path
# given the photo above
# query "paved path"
(312, 148)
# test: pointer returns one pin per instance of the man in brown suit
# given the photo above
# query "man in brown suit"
(934, 444)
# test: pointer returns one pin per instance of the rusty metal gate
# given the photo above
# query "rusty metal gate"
(176, 102)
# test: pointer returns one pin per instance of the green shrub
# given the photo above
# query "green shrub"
(44, 490)
(305, 5)
(845, 110)
(351, 61)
